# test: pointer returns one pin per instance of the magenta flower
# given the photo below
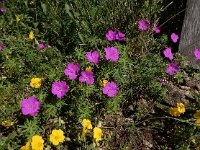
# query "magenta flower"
(168, 53)
(156, 29)
(111, 35)
(59, 88)
(197, 54)
(112, 54)
(72, 71)
(120, 36)
(41, 46)
(110, 89)
(144, 24)
(1, 47)
(172, 68)
(30, 106)
(93, 57)
(2, 10)
(2, 1)
(87, 76)
(174, 37)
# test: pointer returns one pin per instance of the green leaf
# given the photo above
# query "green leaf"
(67, 9)
(44, 7)
(81, 37)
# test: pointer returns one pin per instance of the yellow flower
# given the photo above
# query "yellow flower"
(103, 83)
(174, 112)
(197, 121)
(7, 124)
(197, 114)
(88, 68)
(26, 147)
(181, 107)
(31, 36)
(97, 134)
(84, 131)
(57, 136)
(37, 143)
(35, 82)
(87, 124)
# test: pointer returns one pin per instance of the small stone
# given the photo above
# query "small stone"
(189, 95)
(198, 87)
(185, 87)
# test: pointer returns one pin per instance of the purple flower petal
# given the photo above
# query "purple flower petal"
(59, 89)
(111, 35)
(1, 47)
(197, 54)
(172, 68)
(2, 10)
(72, 71)
(174, 37)
(120, 36)
(156, 29)
(110, 89)
(87, 76)
(112, 54)
(144, 25)
(30, 106)
(41, 46)
(168, 53)
(93, 57)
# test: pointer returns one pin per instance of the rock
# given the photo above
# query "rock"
(198, 87)
(188, 94)
(185, 87)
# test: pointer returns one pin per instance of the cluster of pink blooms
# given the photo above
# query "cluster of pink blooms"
(173, 66)
(145, 25)
(31, 105)
(72, 70)
(113, 35)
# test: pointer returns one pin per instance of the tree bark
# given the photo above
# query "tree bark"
(190, 35)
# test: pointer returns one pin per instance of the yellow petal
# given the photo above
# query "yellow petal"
(197, 114)
(97, 134)
(87, 123)
(88, 68)
(31, 35)
(174, 112)
(197, 121)
(35, 82)
(181, 107)
(7, 124)
(103, 83)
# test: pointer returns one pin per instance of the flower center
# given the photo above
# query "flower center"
(30, 106)
(56, 138)
(59, 89)
(39, 144)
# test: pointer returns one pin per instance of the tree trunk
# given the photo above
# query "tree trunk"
(190, 35)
